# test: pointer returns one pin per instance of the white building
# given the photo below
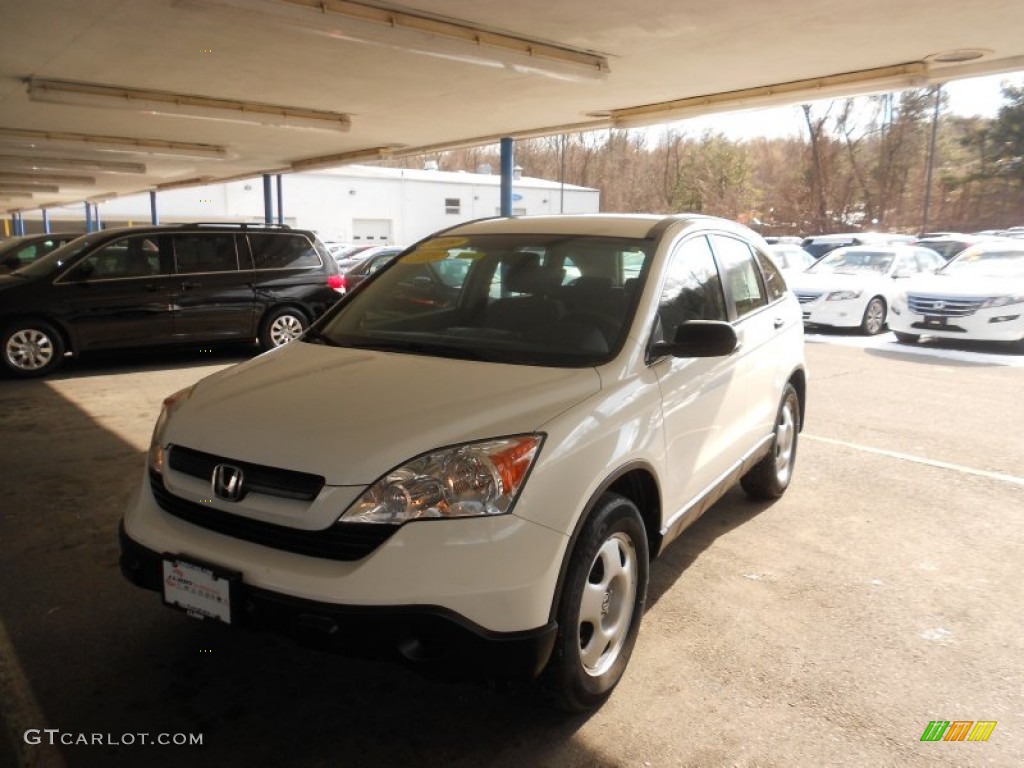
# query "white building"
(357, 204)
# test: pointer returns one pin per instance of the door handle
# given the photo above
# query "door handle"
(779, 322)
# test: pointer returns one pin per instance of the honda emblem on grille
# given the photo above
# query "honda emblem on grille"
(227, 482)
(938, 305)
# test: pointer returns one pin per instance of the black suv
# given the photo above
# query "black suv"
(144, 286)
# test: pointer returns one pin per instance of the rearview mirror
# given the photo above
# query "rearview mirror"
(699, 338)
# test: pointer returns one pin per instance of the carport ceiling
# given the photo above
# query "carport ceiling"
(112, 97)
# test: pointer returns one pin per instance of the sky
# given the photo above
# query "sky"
(968, 97)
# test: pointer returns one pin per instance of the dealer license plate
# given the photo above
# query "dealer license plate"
(199, 590)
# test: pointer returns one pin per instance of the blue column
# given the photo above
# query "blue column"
(268, 200)
(506, 176)
(88, 218)
(280, 200)
(19, 224)
(46, 221)
(154, 217)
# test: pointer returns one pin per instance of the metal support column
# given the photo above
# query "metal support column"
(268, 200)
(96, 216)
(46, 221)
(280, 200)
(19, 224)
(507, 157)
(154, 217)
(88, 218)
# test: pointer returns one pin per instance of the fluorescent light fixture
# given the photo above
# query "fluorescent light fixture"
(883, 79)
(183, 105)
(345, 158)
(158, 147)
(47, 178)
(197, 181)
(419, 32)
(11, 188)
(35, 162)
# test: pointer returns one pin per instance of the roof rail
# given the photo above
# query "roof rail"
(239, 224)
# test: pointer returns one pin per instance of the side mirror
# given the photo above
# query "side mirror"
(699, 338)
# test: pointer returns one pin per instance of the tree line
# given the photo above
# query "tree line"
(898, 162)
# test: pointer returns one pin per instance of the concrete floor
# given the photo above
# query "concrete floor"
(828, 629)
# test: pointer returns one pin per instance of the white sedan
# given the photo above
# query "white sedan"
(854, 287)
(979, 295)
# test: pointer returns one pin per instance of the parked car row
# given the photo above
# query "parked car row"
(977, 295)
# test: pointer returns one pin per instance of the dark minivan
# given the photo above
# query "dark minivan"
(172, 284)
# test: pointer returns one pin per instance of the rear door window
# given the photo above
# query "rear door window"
(742, 277)
(205, 252)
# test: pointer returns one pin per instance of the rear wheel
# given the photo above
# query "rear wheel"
(31, 348)
(907, 338)
(601, 606)
(769, 478)
(874, 317)
(281, 326)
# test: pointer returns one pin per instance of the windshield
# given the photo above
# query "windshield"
(55, 260)
(524, 299)
(854, 261)
(975, 262)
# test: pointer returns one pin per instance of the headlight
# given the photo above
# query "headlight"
(842, 295)
(1001, 301)
(468, 480)
(156, 444)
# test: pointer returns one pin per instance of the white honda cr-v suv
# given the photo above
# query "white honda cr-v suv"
(532, 408)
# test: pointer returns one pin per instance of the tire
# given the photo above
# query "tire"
(281, 326)
(907, 338)
(31, 348)
(874, 317)
(770, 477)
(600, 608)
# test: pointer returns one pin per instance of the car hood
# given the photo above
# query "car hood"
(832, 281)
(352, 415)
(967, 287)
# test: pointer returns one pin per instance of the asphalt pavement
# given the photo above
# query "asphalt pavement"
(880, 594)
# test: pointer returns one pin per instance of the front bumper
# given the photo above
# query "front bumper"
(847, 313)
(431, 639)
(1004, 323)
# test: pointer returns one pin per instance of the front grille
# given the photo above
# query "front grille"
(349, 541)
(942, 306)
(806, 297)
(283, 483)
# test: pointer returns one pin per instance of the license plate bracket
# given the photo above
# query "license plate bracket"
(201, 590)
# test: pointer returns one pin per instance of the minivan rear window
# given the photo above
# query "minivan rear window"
(272, 251)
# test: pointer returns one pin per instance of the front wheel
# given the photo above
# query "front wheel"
(769, 478)
(874, 317)
(281, 326)
(601, 606)
(31, 348)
